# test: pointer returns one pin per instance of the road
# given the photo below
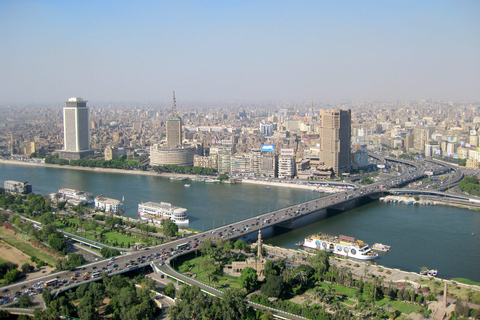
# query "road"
(133, 260)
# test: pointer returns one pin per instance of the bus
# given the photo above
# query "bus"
(96, 275)
(182, 246)
(51, 283)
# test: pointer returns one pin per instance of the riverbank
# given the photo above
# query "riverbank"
(367, 269)
(103, 170)
(424, 200)
(166, 175)
(292, 185)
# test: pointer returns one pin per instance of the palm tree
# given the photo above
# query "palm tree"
(215, 279)
(301, 277)
(319, 293)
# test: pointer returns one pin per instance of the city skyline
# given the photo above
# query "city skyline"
(214, 51)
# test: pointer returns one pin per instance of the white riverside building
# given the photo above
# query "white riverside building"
(108, 204)
(17, 187)
(155, 212)
(76, 197)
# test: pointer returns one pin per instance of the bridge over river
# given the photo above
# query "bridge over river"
(286, 218)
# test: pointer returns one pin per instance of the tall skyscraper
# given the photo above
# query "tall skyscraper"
(174, 128)
(76, 130)
(335, 135)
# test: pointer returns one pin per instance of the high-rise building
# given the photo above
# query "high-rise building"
(335, 135)
(286, 167)
(174, 128)
(76, 130)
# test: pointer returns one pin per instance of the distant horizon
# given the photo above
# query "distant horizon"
(233, 103)
(214, 52)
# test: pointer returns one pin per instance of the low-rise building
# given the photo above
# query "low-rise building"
(108, 205)
(17, 187)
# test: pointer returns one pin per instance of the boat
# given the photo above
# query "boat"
(155, 212)
(73, 196)
(341, 245)
(381, 247)
(423, 271)
(178, 178)
(187, 185)
(267, 187)
(212, 180)
(432, 273)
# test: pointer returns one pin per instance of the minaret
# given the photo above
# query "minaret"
(260, 244)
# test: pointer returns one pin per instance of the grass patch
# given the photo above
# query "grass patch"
(382, 302)
(349, 292)
(194, 266)
(27, 248)
(466, 281)
(350, 302)
(113, 236)
(406, 307)
(59, 225)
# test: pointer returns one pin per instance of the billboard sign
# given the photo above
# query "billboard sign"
(420, 123)
(268, 147)
(287, 152)
(452, 139)
(473, 132)
(455, 156)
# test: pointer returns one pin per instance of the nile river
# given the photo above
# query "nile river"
(438, 237)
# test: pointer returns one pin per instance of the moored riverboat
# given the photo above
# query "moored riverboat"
(341, 245)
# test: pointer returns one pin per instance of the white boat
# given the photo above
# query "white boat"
(187, 185)
(432, 273)
(155, 212)
(341, 245)
(212, 180)
(381, 247)
(76, 195)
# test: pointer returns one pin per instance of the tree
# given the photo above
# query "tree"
(170, 290)
(26, 267)
(109, 252)
(47, 296)
(273, 286)
(170, 229)
(222, 177)
(249, 278)
(267, 315)
(24, 301)
(234, 305)
(86, 307)
(11, 276)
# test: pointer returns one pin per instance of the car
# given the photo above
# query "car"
(5, 290)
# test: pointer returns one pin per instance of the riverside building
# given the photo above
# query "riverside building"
(17, 187)
(335, 135)
(108, 205)
(76, 130)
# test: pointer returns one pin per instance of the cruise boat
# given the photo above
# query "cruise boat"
(341, 245)
(155, 212)
(76, 195)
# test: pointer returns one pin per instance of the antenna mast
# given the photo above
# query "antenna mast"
(174, 107)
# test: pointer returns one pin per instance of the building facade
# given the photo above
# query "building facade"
(76, 130)
(286, 167)
(108, 205)
(17, 187)
(335, 139)
(179, 156)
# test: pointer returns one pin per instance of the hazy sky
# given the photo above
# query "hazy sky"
(139, 51)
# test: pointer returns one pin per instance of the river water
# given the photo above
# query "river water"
(438, 237)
